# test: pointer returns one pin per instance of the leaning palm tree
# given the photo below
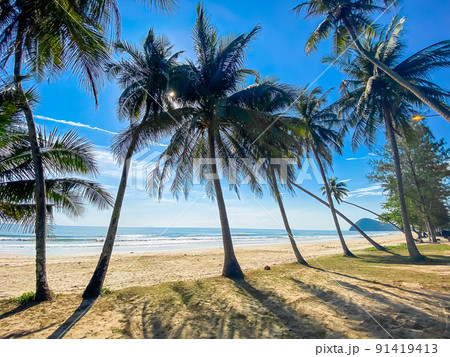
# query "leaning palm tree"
(62, 155)
(340, 214)
(216, 119)
(349, 19)
(372, 99)
(144, 78)
(273, 147)
(273, 176)
(339, 190)
(318, 127)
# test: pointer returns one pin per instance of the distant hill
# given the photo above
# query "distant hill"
(367, 224)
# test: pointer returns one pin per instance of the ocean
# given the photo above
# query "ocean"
(80, 240)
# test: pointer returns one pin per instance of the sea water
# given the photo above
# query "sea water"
(80, 240)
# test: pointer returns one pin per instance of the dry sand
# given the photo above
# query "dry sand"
(71, 273)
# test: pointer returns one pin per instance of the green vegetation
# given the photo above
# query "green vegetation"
(105, 291)
(24, 299)
(425, 169)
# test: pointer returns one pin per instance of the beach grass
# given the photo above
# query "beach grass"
(374, 295)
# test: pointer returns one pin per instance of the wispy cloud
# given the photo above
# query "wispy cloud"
(375, 190)
(346, 180)
(357, 158)
(369, 156)
(76, 124)
(81, 125)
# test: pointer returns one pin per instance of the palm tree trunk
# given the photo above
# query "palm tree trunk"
(436, 106)
(412, 249)
(374, 213)
(231, 268)
(43, 292)
(95, 285)
(359, 230)
(276, 191)
(347, 251)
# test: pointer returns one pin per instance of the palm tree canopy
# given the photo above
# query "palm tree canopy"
(368, 91)
(338, 189)
(213, 101)
(316, 125)
(333, 13)
(57, 35)
(144, 77)
(62, 154)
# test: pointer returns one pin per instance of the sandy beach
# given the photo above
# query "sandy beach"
(71, 273)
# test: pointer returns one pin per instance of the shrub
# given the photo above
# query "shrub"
(105, 291)
(25, 298)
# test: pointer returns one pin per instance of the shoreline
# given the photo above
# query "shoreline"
(176, 249)
(71, 273)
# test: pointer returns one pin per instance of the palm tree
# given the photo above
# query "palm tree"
(218, 120)
(274, 144)
(144, 78)
(359, 230)
(316, 126)
(62, 155)
(339, 190)
(273, 184)
(50, 36)
(372, 99)
(349, 19)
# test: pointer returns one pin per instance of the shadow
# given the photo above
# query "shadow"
(405, 260)
(390, 252)
(243, 311)
(379, 283)
(345, 307)
(84, 307)
(18, 309)
(407, 316)
(27, 333)
(297, 325)
(155, 329)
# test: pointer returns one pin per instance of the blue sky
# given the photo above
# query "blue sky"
(278, 52)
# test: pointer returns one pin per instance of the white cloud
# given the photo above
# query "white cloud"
(76, 124)
(369, 156)
(375, 190)
(357, 158)
(346, 180)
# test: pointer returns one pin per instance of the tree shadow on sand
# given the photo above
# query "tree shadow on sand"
(18, 309)
(297, 325)
(27, 333)
(349, 311)
(62, 330)
(428, 296)
(383, 317)
(244, 312)
(430, 259)
(407, 315)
